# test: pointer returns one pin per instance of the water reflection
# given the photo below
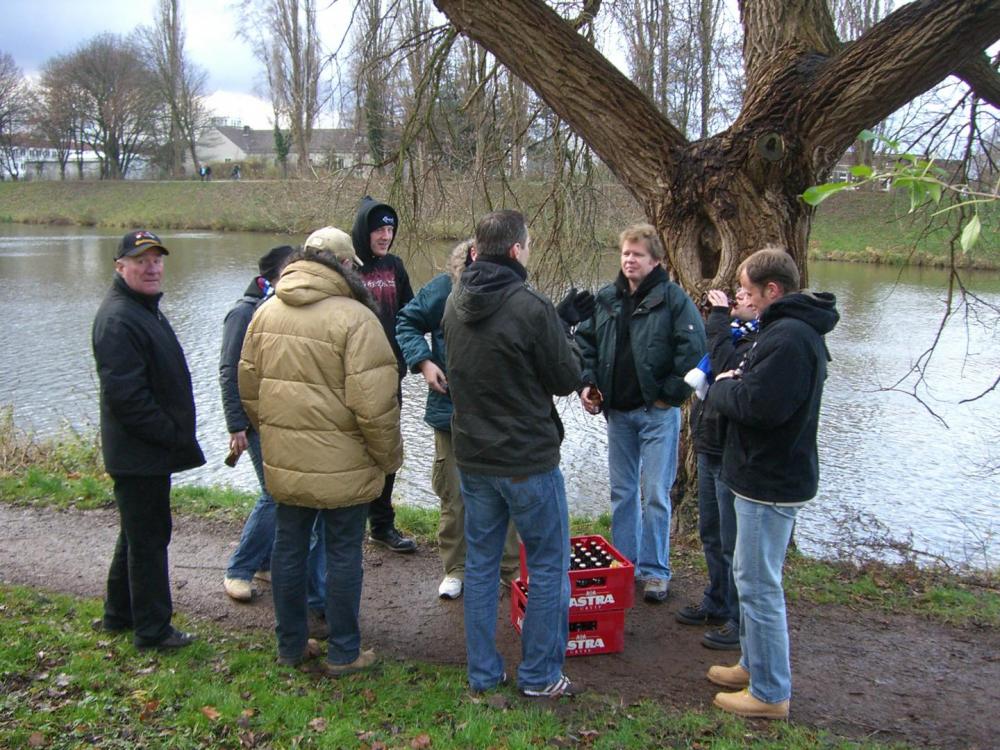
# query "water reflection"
(882, 453)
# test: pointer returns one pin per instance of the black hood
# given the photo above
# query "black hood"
(482, 289)
(361, 234)
(817, 309)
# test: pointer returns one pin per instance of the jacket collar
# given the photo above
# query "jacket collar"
(150, 301)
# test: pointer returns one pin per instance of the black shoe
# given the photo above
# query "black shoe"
(100, 626)
(395, 541)
(696, 614)
(726, 638)
(177, 639)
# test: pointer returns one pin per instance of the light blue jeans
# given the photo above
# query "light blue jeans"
(642, 465)
(763, 531)
(253, 553)
(537, 504)
(343, 535)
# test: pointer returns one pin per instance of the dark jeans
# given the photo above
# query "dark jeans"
(138, 581)
(717, 529)
(343, 532)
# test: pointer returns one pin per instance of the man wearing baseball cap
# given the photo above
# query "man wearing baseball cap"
(147, 433)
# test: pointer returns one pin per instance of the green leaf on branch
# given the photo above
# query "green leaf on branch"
(819, 193)
(970, 234)
(866, 135)
(862, 170)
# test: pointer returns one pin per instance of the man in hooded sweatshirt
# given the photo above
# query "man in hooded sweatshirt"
(316, 376)
(771, 463)
(509, 351)
(386, 279)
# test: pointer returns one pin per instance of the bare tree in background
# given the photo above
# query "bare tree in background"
(119, 119)
(284, 38)
(180, 83)
(373, 44)
(15, 113)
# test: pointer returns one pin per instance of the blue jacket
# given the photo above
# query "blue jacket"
(667, 337)
(422, 316)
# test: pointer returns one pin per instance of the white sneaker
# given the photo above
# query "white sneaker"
(450, 588)
(263, 575)
(238, 589)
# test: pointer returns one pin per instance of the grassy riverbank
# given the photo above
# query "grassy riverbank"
(851, 226)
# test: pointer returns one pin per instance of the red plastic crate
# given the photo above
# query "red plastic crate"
(597, 589)
(590, 633)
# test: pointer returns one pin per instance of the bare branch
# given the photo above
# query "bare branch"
(982, 77)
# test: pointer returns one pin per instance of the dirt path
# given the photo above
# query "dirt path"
(883, 677)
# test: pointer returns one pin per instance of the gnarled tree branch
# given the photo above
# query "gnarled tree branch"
(982, 77)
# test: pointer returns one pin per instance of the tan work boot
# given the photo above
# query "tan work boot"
(365, 660)
(735, 677)
(238, 589)
(744, 704)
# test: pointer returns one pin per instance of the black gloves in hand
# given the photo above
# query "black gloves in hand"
(576, 307)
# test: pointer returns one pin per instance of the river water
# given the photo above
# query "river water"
(891, 470)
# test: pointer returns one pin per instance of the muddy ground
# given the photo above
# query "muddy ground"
(859, 674)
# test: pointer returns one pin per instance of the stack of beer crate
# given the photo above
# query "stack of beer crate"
(602, 587)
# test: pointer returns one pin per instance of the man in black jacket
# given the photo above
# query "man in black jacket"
(508, 354)
(147, 433)
(385, 276)
(770, 461)
(731, 333)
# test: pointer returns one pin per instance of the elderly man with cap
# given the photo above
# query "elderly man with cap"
(147, 433)
(316, 375)
(385, 277)
(252, 556)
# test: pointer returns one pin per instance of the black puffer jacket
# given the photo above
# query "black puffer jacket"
(708, 427)
(507, 355)
(147, 403)
(773, 409)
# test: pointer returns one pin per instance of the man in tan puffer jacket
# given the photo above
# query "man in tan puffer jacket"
(318, 380)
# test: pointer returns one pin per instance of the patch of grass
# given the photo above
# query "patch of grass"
(941, 596)
(64, 685)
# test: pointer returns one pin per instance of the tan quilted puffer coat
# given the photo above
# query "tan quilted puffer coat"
(318, 380)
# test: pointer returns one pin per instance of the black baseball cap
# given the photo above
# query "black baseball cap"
(137, 242)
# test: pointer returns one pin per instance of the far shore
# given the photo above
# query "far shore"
(853, 226)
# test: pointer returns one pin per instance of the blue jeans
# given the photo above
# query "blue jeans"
(642, 465)
(717, 529)
(763, 533)
(253, 553)
(537, 505)
(344, 533)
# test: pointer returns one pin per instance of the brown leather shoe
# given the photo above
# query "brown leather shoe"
(735, 677)
(744, 704)
(365, 660)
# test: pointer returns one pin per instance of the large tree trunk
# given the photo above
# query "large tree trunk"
(808, 96)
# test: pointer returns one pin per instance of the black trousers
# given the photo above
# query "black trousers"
(381, 515)
(138, 581)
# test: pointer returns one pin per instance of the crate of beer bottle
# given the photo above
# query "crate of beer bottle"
(600, 578)
(590, 633)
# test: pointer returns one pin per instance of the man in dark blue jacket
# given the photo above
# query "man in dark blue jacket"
(147, 433)
(643, 339)
(771, 462)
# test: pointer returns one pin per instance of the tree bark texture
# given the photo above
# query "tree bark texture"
(718, 199)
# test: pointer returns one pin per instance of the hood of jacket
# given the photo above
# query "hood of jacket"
(482, 289)
(361, 236)
(816, 309)
(306, 282)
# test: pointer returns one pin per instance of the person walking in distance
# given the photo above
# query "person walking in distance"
(147, 434)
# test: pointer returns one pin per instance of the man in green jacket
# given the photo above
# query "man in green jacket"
(644, 337)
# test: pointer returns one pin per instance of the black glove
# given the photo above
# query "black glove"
(576, 307)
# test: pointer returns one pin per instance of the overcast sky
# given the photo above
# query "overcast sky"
(33, 31)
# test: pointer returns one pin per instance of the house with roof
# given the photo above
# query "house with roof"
(330, 148)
